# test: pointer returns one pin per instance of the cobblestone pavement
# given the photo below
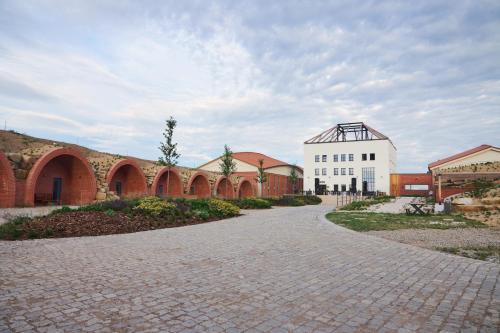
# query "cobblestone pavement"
(277, 270)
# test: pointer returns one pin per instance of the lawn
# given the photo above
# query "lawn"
(475, 252)
(365, 221)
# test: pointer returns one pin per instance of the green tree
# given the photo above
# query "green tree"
(261, 175)
(168, 149)
(293, 177)
(227, 164)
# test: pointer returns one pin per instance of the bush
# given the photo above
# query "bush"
(251, 203)
(287, 200)
(14, 226)
(222, 208)
(202, 214)
(155, 206)
(310, 199)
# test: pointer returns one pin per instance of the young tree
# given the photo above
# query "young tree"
(227, 165)
(168, 149)
(293, 177)
(261, 176)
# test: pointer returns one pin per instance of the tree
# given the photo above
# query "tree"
(227, 165)
(168, 149)
(293, 177)
(261, 176)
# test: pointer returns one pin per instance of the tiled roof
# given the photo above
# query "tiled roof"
(459, 155)
(253, 159)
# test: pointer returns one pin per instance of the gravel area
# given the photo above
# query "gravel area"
(396, 206)
(432, 238)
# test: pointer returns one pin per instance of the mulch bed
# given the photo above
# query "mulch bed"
(76, 224)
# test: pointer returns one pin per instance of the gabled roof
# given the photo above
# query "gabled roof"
(253, 158)
(460, 155)
(341, 132)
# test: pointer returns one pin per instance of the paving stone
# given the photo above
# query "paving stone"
(278, 270)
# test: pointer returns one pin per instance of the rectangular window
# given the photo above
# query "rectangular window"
(342, 158)
(335, 158)
(316, 172)
(342, 171)
(372, 157)
(368, 179)
(344, 188)
(417, 187)
(323, 171)
(351, 157)
(335, 188)
(323, 158)
(335, 171)
(363, 157)
(351, 171)
(316, 158)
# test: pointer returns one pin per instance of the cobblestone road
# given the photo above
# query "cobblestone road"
(280, 270)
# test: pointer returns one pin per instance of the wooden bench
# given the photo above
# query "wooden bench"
(45, 199)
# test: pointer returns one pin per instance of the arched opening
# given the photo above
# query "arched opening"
(224, 188)
(167, 183)
(245, 189)
(7, 183)
(126, 179)
(199, 185)
(60, 177)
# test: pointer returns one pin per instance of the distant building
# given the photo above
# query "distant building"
(247, 163)
(349, 157)
(455, 174)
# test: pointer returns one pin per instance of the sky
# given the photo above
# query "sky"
(257, 75)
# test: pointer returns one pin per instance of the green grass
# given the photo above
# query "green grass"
(363, 204)
(480, 253)
(365, 221)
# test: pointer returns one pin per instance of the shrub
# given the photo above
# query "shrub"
(110, 212)
(311, 199)
(14, 226)
(222, 208)
(251, 203)
(155, 206)
(287, 200)
(201, 213)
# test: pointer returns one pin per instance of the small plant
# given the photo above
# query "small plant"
(110, 212)
(251, 203)
(222, 208)
(155, 206)
(63, 209)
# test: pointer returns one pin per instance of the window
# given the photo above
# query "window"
(335, 171)
(323, 171)
(363, 157)
(335, 188)
(323, 158)
(316, 158)
(368, 178)
(344, 188)
(351, 171)
(351, 157)
(342, 158)
(342, 171)
(335, 158)
(316, 172)
(417, 187)
(372, 157)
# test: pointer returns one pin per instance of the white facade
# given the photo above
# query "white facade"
(338, 175)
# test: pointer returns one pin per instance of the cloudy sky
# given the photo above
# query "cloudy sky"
(257, 75)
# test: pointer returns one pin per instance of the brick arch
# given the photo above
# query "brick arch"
(175, 182)
(7, 183)
(78, 180)
(199, 185)
(224, 187)
(129, 176)
(245, 188)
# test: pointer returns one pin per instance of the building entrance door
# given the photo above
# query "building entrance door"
(56, 190)
(118, 188)
(353, 185)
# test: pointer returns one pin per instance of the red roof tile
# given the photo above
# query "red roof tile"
(459, 155)
(253, 159)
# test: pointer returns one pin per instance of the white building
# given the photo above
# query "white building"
(349, 157)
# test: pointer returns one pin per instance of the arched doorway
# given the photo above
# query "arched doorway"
(245, 189)
(224, 188)
(198, 185)
(62, 176)
(7, 183)
(126, 179)
(167, 183)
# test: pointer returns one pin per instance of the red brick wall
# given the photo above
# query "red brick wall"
(199, 186)
(78, 180)
(245, 189)
(131, 176)
(224, 188)
(7, 183)
(399, 181)
(174, 183)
